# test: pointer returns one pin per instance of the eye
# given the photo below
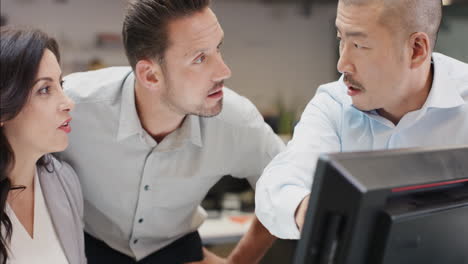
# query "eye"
(340, 41)
(357, 46)
(200, 59)
(61, 83)
(44, 90)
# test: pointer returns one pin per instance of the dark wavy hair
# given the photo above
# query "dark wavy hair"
(21, 50)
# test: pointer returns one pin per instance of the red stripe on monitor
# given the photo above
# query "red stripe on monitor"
(424, 186)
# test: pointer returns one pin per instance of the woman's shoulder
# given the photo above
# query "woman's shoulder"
(62, 168)
(62, 173)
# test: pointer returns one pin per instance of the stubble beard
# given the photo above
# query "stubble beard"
(210, 112)
(201, 110)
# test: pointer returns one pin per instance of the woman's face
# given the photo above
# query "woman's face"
(43, 124)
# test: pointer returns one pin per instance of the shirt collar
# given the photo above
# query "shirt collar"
(129, 122)
(188, 131)
(444, 91)
(195, 130)
(345, 98)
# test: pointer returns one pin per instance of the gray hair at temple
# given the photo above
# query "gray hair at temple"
(408, 16)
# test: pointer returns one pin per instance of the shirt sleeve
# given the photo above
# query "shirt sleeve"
(268, 145)
(254, 144)
(288, 178)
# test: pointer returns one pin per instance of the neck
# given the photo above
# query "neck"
(413, 100)
(155, 116)
(23, 170)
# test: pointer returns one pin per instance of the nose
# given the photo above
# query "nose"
(345, 64)
(67, 105)
(223, 72)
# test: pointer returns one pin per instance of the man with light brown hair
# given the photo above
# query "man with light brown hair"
(150, 140)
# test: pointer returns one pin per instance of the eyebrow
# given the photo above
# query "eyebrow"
(46, 79)
(358, 34)
(204, 50)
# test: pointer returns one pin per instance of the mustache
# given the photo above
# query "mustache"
(349, 80)
(218, 85)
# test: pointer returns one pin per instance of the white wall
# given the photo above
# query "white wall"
(272, 50)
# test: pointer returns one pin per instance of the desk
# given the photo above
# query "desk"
(227, 228)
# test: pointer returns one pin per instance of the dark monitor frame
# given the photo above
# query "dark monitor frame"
(353, 193)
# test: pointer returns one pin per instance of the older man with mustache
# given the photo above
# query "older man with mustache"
(395, 92)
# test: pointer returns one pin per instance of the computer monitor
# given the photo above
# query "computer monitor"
(388, 207)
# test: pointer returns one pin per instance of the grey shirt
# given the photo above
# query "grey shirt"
(140, 195)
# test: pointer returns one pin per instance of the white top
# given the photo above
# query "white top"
(141, 195)
(331, 124)
(44, 246)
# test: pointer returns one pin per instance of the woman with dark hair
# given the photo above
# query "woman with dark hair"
(40, 197)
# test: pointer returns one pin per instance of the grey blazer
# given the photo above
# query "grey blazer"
(63, 197)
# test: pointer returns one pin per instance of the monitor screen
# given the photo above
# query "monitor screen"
(406, 206)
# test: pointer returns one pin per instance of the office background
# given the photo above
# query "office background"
(279, 51)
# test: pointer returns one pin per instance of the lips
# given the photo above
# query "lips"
(65, 126)
(217, 92)
(353, 89)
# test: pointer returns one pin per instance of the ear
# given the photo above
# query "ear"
(149, 74)
(420, 49)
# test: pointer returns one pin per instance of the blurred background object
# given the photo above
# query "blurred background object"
(3, 20)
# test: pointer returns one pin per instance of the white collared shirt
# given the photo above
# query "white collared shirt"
(44, 246)
(331, 124)
(140, 195)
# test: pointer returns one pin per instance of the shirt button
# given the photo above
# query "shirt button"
(140, 220)
(135, 241)
(146, 187)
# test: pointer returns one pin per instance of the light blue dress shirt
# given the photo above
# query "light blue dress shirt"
(331, 124)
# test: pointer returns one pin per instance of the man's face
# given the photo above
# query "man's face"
(194, 70)
(371, 58)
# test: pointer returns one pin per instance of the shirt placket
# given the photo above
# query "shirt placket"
(136, 243)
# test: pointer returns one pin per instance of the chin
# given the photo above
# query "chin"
(362, 107)
(213, 111)
(59, 147)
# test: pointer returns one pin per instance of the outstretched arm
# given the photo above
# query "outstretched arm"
(253, 245)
